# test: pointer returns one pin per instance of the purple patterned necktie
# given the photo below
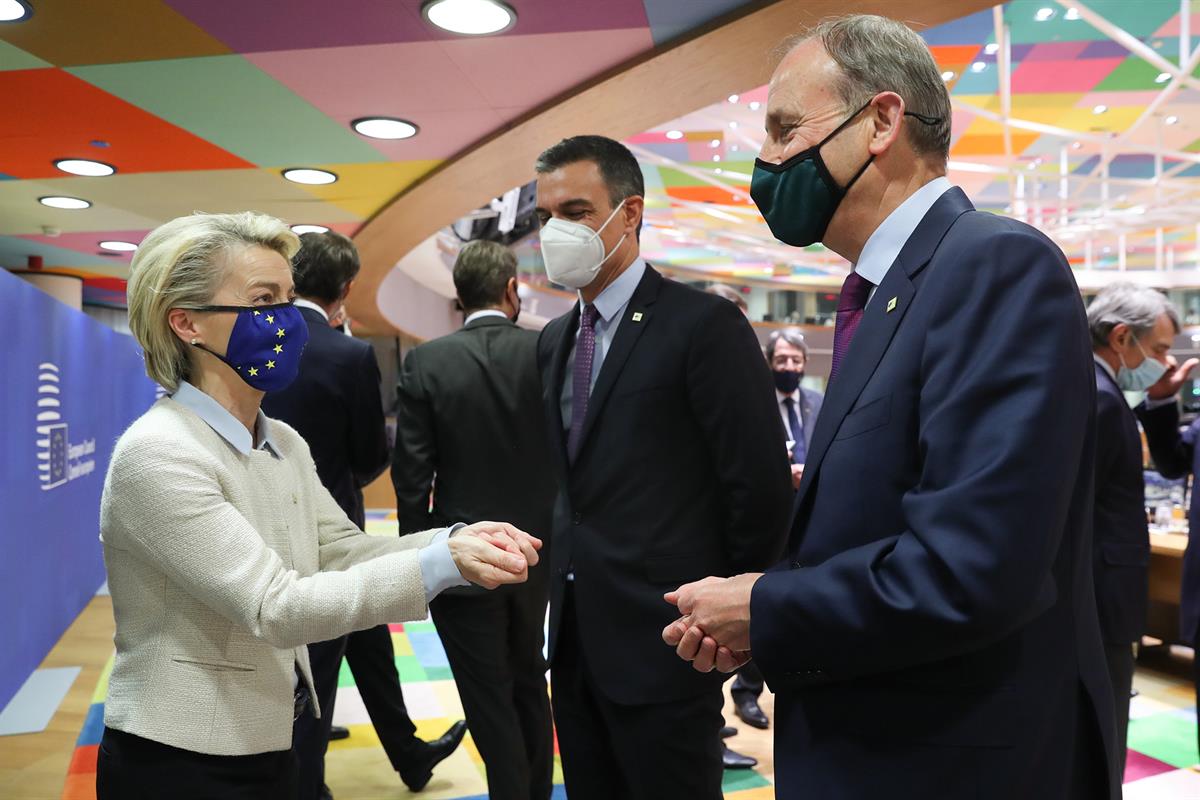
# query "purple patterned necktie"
(851, 303)
(581, 380)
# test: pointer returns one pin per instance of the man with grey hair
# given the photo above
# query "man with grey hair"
(1132, 331)
(933, 630)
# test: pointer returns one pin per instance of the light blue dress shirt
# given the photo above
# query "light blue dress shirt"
(884, 245)
(438, 571)
(611, 304)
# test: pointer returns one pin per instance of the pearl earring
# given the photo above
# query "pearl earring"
(193, 340)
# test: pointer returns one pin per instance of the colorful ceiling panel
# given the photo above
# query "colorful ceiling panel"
(1103, 130)
(199, 104)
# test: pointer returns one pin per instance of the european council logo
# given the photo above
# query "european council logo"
(55, 453)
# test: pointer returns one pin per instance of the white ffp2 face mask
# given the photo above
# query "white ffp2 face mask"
(573, 252)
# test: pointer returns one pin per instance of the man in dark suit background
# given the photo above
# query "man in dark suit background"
(933, 631)
(335, 404)
(1132, 328)
(470, 430)
(787, 355)
(671, 466)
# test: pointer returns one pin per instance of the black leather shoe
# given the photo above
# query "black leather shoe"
(728, 731)
(417, 772)
(748, 711)
(734, 760)
(338, 732)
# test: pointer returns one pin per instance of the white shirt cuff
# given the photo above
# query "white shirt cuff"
(438, 570)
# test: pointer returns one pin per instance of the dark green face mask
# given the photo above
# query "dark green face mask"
(798, 197)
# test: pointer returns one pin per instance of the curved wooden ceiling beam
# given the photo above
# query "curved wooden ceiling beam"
(730, 55)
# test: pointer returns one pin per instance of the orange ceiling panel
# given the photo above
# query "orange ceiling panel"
(990, 144)
(707, 194)
(63, 116)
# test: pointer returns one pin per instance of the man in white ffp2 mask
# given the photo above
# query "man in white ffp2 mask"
(669, 465)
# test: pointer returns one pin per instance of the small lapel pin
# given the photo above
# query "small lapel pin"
(637, 316)
(892, 304)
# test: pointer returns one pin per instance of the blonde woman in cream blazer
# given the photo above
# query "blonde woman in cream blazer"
(225, 554)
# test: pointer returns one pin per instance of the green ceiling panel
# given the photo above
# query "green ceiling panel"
(1132, 75)
(1139, 17)
(13, 57)
(233, 104)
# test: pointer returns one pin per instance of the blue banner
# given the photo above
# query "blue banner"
(71, 387)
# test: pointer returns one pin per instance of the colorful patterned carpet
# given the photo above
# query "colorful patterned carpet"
(1162, 733)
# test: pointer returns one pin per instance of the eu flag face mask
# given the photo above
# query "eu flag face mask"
(265, 344)
(798, 197)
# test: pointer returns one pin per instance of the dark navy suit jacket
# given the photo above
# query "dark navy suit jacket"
(1175, 455)
(933, 632)
(1121, 556)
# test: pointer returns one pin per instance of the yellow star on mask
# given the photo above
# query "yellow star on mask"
(257, 313)
(279, 333)
(278, 348)
(270, 365)
(270, 319)
(253, 371)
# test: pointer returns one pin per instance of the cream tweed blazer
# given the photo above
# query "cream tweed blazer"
(222, 567)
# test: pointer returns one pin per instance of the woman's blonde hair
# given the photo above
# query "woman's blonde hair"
(182, 263)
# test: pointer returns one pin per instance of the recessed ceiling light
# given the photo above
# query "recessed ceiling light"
(947, 76)
(992, 49)
(469, 17)
(733, 147)
(755, 105)
(715, 143)
(978, 66)
(1044, 14)
(1171, 120)
(674, 135)
(119, 247)
(72, 203)
(311, 177)
(15, 10)
(718, 170)
(733, 98)
(1072, 14)
(82, 166)
(1163, 77)
(1076, 145)
(384, 128)
(298, 229)
(716, 158)
(1033, 165)
(733, 124)
(1100, 109)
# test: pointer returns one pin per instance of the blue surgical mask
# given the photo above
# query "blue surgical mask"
(265, 344)
(1141, 377)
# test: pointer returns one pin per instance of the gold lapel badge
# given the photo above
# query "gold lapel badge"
(892, 304)
(637, 316)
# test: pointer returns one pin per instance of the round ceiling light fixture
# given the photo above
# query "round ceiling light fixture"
(673, 135)
(309, 177)
(15, 10)
(85, 167)
(384, 128)
(299, 229)
(469, 17)
(69, 203)
(118, 246)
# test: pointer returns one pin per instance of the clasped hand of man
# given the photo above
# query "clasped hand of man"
(714, 629)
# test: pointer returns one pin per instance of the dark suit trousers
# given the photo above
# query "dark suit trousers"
(493, 642)
(748, 684)
(372, 661)
(129, 767)
(661, 751)
(1120, 672)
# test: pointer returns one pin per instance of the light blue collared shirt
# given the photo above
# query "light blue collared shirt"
(438, 571)
(611, 304)
(884, 245)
